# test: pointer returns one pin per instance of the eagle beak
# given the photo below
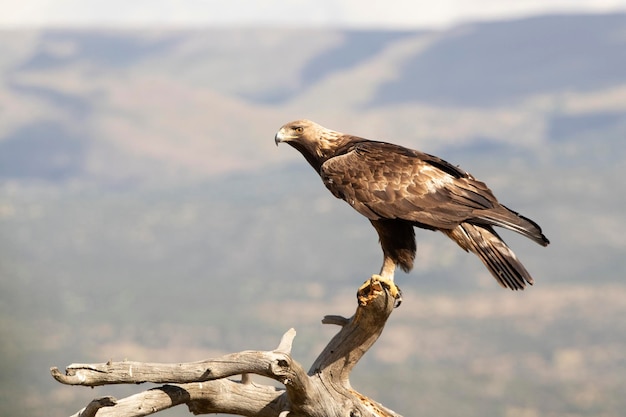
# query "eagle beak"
(280, 137)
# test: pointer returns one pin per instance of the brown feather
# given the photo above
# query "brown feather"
(397, 188)
(493, 252)
(397, 239)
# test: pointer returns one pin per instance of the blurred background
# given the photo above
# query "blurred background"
(146, 214)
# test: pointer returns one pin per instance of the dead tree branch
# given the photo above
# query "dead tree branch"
(205, 386)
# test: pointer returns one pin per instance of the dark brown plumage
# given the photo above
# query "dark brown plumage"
(398, 188)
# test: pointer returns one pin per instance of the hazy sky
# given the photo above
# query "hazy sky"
(335, 13)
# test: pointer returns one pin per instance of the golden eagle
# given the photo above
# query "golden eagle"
(398, 188)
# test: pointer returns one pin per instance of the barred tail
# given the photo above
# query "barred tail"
(499, 259)
(505, 217)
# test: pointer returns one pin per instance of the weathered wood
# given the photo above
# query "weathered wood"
(268, 364)
(205, 386)
(331, 369)
(95, 405)
(221, 396)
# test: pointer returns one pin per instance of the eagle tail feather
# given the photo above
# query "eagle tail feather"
(509, 219)
(494, 253)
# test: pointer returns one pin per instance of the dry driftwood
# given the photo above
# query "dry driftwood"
(205, 386)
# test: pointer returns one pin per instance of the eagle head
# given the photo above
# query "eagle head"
(313, 141)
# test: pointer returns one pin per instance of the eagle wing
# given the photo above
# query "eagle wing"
(382, 180)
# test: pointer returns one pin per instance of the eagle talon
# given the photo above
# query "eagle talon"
(377, 283)
(398, 298)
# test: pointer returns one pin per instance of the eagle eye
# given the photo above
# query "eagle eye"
(299, 129)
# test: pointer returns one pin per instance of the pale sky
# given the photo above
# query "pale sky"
(393, 14)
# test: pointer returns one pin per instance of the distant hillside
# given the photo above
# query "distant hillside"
(501, 63)
(162, 106)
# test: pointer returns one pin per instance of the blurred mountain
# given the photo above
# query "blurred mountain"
(161, 106)
(146, 213)
(499, 63)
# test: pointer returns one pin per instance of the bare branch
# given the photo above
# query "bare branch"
(358, 334)
(286, 341)
(204, 386)
(271, 364)
(93, 407)
(223, 396)
(334, 319)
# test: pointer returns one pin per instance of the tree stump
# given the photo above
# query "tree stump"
(205, 386)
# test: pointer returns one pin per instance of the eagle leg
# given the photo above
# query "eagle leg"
(378, 283)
